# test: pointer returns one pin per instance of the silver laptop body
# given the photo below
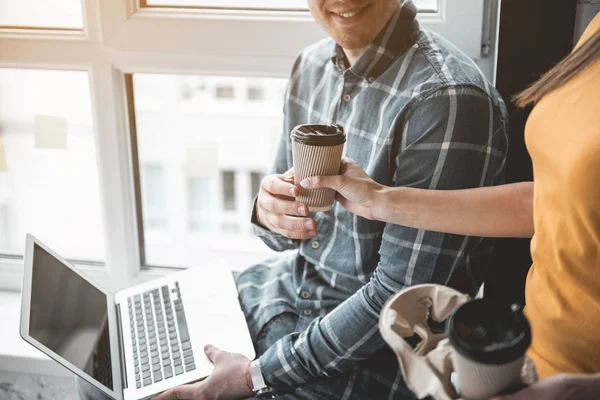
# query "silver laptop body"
(137, 342)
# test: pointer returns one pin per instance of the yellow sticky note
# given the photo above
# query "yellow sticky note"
(2, 156)
(202, 160)
(50, 132)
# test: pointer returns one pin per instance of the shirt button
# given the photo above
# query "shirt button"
(347, 97)
(315, 244)
(305, 294)
(371, 79)
(307, 312)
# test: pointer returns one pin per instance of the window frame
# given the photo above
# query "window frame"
(119, 38)
(144, 4)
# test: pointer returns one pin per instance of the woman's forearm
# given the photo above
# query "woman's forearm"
(497, 211)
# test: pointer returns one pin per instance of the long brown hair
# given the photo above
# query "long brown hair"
(573, 64)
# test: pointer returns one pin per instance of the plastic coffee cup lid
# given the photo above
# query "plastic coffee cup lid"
(319, 135)
(488, 334)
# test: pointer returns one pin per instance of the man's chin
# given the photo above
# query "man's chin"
(353, 44)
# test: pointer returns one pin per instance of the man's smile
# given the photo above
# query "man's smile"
(349, 15)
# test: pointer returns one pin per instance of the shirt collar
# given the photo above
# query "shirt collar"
(398, 35)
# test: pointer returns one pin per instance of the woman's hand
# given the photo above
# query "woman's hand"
(560, 387)
(357, 192)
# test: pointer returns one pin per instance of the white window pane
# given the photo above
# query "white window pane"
(50, 184)
(243, 4)
(41, 14)
(214, 142)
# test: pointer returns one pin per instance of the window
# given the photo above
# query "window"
(156, 106)
(153, 196)
(228, 178)
(48, 170)
(212, 155)
(66, 14)
(256, 94)
(225, 92)
(230, 227)
(200, 204)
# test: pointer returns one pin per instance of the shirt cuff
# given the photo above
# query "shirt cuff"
(279, 367)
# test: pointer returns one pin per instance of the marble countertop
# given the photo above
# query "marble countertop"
(17, 386)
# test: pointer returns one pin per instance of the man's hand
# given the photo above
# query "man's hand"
(560, 387)
(277, 210)
(357, 192)
(228, 381)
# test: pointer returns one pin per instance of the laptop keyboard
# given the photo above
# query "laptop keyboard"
(101, 359)
(159, 336)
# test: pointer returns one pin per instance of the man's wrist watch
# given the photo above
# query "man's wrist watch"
(259, 387)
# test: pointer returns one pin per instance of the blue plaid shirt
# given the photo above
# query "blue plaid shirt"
(419, 113)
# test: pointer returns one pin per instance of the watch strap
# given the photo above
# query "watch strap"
(259, 386)
(258, 382)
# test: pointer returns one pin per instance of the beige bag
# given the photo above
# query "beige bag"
(426, 368)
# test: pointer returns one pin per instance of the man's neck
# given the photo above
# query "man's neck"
(354, 54)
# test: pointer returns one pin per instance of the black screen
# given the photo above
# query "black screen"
(68, 315)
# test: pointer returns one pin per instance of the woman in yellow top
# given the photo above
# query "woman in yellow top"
(560, 209)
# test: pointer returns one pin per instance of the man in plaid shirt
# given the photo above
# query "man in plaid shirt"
(417, 112)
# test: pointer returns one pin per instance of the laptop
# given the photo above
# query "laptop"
(139, 341)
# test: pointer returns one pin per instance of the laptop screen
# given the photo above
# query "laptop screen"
(68, 315)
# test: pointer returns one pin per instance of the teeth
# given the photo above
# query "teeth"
(349, 14)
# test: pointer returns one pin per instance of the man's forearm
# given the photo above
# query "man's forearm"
(496, 211)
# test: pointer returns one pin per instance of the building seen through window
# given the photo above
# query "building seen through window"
(225, 92)
(256, 93)
(228, 178)
(153, 196)
(199, 205)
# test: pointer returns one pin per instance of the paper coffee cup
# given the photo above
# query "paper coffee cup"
(488, 348)
(316, 150)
